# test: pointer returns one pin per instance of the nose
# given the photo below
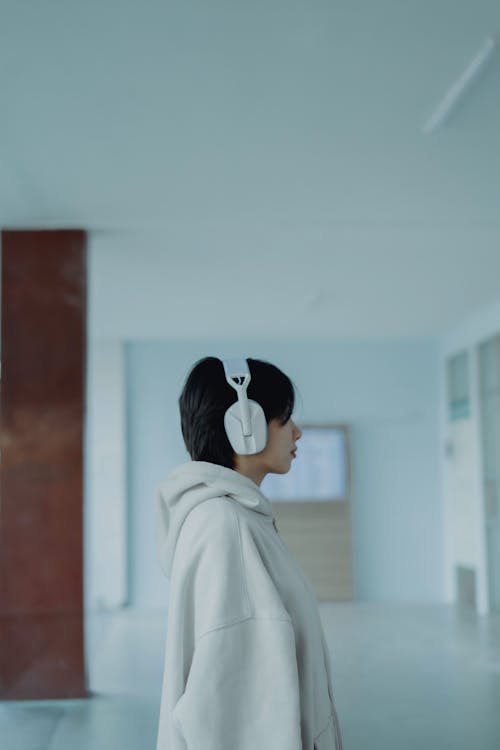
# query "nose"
(298, 432)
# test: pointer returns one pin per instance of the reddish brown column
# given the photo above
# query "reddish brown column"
(42, 392)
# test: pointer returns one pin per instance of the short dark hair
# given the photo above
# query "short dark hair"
(207, 395)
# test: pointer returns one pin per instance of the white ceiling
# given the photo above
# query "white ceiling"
(258, 156)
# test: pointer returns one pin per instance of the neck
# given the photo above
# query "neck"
(249, 469)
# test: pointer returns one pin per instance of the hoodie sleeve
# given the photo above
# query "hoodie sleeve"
(242, 689)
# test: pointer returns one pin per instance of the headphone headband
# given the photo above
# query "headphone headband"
(238, 376)
(244, 420)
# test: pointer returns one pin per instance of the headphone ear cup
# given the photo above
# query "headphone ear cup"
(246, 445)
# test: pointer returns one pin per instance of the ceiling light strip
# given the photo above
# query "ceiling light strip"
(457, 91)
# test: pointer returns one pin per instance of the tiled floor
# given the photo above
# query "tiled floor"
(405, 677)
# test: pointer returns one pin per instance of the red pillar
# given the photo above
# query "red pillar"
(42, 410)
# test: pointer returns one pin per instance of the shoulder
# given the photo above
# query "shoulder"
(211, 533)
(210, 568)
(215, 517)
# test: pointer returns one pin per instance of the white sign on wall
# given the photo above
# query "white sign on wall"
(319, 472)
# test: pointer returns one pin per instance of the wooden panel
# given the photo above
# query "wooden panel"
(318, 535)
(42, 391)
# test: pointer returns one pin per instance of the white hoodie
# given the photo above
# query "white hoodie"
(247, 666)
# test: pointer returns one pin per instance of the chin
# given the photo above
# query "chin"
(283, 467)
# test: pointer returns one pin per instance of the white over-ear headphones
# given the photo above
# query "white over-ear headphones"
(244, 421)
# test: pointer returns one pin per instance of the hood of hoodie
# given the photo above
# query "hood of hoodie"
(194, 483)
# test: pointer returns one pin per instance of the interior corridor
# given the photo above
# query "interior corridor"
(405, 676)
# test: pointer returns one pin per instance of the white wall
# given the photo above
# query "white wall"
(387, 392)
(466, 336)
(105, 548)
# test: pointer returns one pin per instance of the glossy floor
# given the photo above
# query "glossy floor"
(404, 677)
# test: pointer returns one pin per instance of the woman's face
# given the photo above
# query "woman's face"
(281, 441)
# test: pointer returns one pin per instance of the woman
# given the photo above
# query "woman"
(246, 661)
